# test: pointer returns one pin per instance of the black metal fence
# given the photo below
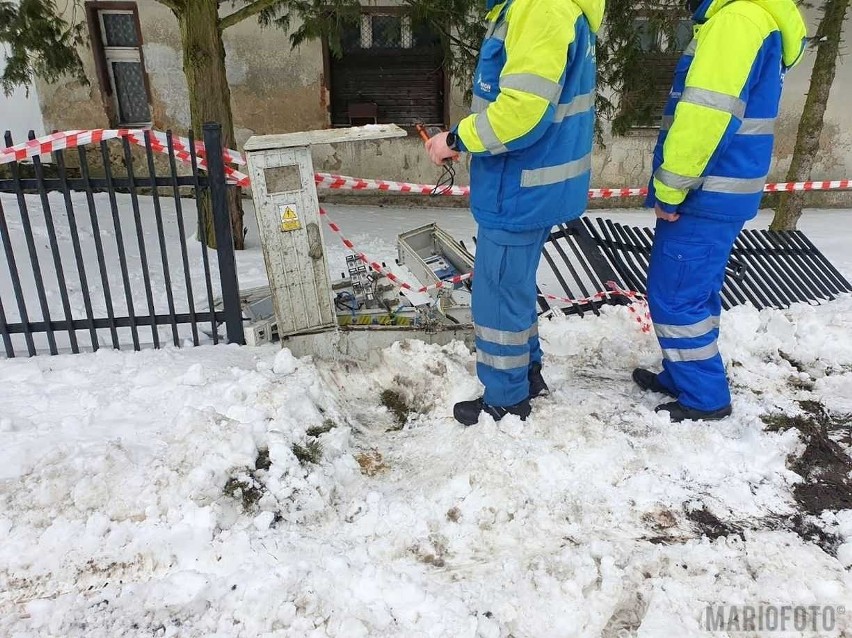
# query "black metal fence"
(767, 269)
(580, 269)
(98, 256)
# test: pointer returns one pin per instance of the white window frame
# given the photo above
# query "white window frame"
(120, 54)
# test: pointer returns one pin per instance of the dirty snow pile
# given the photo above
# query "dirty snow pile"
(227, 491)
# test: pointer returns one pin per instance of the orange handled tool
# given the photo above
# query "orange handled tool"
(424, 134)
(447, 179)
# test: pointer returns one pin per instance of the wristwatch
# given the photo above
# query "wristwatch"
(453, 141)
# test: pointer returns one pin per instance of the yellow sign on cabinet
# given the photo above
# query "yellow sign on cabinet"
(289, 219)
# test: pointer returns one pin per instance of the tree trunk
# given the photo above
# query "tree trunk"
(209, 97)
(810, 126)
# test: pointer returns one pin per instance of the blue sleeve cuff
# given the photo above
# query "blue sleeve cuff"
(459, 140)
(651, 197)
(669, 208)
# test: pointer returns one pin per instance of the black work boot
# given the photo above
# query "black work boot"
(467, 412)
(538, 388)
(679, 412)
(647, 380)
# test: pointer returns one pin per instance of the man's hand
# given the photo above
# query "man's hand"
(669, 217)
(438, 150)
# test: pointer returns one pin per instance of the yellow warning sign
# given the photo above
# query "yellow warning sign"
(289, 219)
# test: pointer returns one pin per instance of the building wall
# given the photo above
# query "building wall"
(276, 89)
(835, 157)
(626, 161)
(19, 112)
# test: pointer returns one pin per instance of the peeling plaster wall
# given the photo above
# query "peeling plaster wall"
(273, 88)
(276, 89)
(395, 159)
(67, 104)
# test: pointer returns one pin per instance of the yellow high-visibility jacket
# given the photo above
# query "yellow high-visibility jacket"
(715, 144)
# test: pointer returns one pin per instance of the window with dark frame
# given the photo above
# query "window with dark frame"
(117, 45)
(661, 50)
(391, 70)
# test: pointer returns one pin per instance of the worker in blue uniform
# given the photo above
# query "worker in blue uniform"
(710, 167)
(530, 137)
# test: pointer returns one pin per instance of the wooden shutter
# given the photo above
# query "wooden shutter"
(401, 72)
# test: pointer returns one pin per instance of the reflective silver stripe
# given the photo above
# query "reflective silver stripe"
(757, 126)
(556, 174)
(714, 100)
(690, 48)
(489, 138)
(750, 125)
(739, 185)
(492, 28)
(503, 363)
(478, 104)
(497, 30)
(697, 329)
(532, 83)
(691, 354)
(505, 337)
(580, 104)
(673, 180)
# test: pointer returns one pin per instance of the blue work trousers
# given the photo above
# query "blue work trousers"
(685, 277)
(504, 311)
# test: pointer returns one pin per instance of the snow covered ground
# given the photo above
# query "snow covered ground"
(235, 491)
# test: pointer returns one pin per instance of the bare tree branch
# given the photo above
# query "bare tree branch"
(471, 50)
(246, 12)
(175, 5)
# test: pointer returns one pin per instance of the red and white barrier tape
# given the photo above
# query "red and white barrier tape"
(377, 267)
(70, 139)
(159, 144)
(641, 314)
(326, 180)
(643, 318)
(788, 187)
(610, 193)
(343, 182)
(181, 147)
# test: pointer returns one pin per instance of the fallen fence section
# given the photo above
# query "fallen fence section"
(768, 269)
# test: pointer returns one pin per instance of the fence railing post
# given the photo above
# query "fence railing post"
(224, 236)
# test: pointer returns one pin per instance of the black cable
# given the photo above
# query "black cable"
(446, 181)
